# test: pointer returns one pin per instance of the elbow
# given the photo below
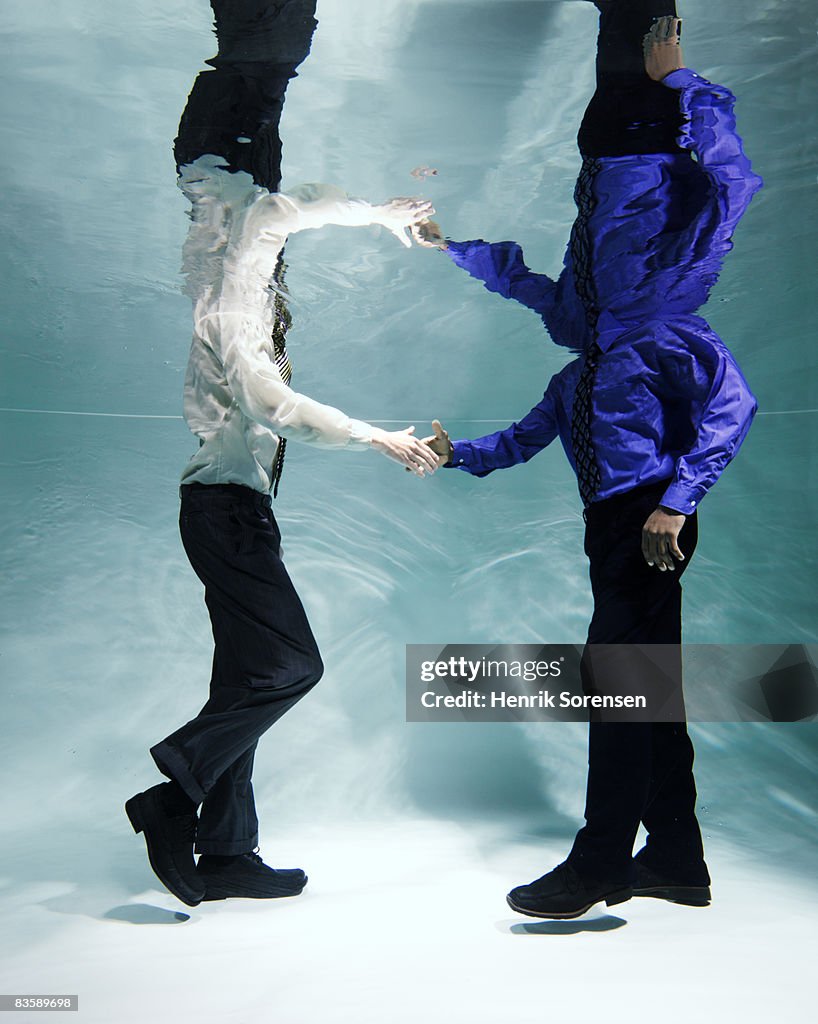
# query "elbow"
(751, 403)
(276, 412)
(749, 410)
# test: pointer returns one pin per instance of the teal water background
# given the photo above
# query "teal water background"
(106, 643)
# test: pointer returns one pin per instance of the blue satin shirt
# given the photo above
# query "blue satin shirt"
(669, 400)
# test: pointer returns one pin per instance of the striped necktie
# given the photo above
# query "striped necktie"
(281, 325)
(587, 468)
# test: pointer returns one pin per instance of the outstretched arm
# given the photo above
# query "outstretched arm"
(239, 350)
(502, 269)
(317, 205)
(235, 240)
(499, 265)
(517, 443)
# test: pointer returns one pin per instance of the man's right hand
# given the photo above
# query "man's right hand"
(409, 451)
(440, 444)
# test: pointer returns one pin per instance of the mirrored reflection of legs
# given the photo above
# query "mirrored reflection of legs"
(629, 113)
(234, 111)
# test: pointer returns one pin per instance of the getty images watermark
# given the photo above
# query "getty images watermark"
(469, 671)
(611, 682)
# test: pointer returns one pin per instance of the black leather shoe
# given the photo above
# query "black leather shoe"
(246, 876)
(169, 838)
(662, 887)
(562, 894)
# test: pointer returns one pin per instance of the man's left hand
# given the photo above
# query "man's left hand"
(660, 538)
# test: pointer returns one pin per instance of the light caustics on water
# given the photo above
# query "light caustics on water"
(99, 589)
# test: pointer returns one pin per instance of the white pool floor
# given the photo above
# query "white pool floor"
(401, 922)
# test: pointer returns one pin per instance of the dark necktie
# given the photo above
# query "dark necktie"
(588, 475)
(283, 320)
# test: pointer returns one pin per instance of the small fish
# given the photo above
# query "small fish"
(423, 172)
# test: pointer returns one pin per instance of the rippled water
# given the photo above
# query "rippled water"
(106, 637)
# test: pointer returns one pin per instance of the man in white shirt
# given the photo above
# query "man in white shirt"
(239, 403)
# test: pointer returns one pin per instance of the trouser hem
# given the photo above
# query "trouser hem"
(171, 763)
(224, 849)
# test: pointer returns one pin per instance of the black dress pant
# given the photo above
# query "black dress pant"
(629, 112)
(637, 771)
(265, 659)
(234, 111)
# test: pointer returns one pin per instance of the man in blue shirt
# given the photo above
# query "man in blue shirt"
(649, 415)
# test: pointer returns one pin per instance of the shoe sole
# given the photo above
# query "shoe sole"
(216, 891)
(210, 896)
(611, 900)
(133, 808)
(685, 895)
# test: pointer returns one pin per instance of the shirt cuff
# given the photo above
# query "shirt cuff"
(456, 250)
(360, 432)
(682, 78)
(682, 499)
(461, 456)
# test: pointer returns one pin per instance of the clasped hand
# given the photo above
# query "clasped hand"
(402, 447)
(438, 445)
(399, 214)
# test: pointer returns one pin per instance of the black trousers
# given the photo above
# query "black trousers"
(265, 659)
(629, 112)
(235, 110)
(637, 771)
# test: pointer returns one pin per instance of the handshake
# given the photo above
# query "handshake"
(417, 456)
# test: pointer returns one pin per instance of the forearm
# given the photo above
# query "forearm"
(516, 444)
(290, 414)
(317, 205)
(265, 398)
(500, 266)
(240, 344)
(709, 130)
(723, 425)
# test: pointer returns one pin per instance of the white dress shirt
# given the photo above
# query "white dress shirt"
(235, 399)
